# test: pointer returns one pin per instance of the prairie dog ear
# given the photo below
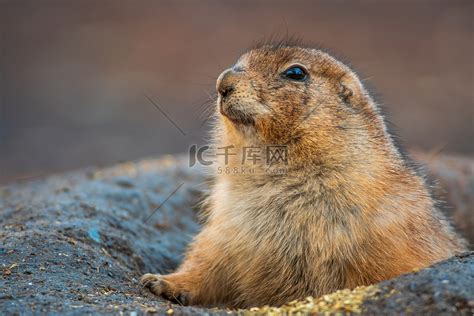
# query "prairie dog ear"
(351, 91)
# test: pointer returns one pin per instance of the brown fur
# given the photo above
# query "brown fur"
(348, 211)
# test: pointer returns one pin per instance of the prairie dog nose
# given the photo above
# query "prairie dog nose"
(226, 83)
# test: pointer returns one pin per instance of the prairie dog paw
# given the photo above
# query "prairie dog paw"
(149, 277)
(158, 285)
(154, 282)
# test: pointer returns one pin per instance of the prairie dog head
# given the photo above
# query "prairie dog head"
(298, 97)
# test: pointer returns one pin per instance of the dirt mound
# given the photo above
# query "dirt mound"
(77, 243)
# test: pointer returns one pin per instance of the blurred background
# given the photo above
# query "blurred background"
(74, 74)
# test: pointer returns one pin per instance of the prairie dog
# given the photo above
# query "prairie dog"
(347, 210)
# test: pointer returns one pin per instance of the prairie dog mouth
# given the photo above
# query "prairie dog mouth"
(235, 113)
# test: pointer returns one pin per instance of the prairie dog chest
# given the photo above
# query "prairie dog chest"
(273, 219)
(260, 217)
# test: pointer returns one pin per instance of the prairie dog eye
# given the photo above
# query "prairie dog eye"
(295, 73)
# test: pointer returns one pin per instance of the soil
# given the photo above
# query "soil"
(78, 242)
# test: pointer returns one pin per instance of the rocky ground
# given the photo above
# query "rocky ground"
(77, 243)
